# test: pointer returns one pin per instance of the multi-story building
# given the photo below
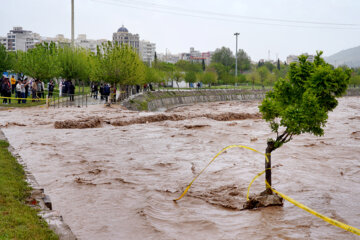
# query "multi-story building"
(90, 44)
(168, 57)
(19, 39)
(122, 36)
(294, 58)
(3, 41)
(147, 51)
(196, 56)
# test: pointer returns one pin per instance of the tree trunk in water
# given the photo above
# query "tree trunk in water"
(269, 149)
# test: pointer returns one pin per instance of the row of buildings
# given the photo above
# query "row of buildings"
(19, 39)
(23, 40)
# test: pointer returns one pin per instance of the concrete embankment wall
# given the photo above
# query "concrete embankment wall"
(153, 101)
(204, 96)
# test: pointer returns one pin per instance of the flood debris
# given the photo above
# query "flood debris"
(92, 122)
(227, 116)
(196, 126)
(264, 199)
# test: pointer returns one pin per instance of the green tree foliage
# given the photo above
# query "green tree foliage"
(165, 67)
(224, 56)
(177, 76)
(207, 77)
(119, 64)
(355, 79)
(152, 75)
(264, 74)
(253, 78)
(300, 104)
(5, 60)
(40, 63)
(244, 61)
(190, 77)
(187, 66)
(75, 63)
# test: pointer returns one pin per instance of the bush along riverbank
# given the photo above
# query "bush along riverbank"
(18, 220)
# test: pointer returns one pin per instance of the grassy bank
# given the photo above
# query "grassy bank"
(17, 220)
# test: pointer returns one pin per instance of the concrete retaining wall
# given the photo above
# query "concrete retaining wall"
(167, 99)
(173, 101)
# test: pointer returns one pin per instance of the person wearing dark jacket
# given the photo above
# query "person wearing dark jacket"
(106, 92)
(51, 86)
(102, 91)
(6, 90)
(71, 91)
(96, 91)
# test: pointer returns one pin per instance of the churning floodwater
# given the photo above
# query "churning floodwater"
(118, 181)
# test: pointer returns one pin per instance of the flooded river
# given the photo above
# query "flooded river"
(118, 181)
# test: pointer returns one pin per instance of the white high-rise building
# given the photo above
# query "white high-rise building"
(147, 51)
(90, 44)
(122, 36)
(3, 41)
(295, 58)
(19, 39)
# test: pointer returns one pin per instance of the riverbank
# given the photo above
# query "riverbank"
(161, 100)
(17, 219)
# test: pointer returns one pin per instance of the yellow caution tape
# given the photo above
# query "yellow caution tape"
(296, 203)
(302, 206)
(37, 99)
(228, 147)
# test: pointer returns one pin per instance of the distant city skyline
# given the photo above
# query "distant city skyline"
(281, 27)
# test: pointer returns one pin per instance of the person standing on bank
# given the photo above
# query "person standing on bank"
(6, 90)
(50, 88)
(13, 84)
(71, 91)
(34, 89)
(106, 92)
(18, 91)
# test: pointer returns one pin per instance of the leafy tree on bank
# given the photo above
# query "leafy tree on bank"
(40, 63)
(190, 77)
(221, 70)
(224, 56)
(167, 69)
(5, 60)
(177, 76)
(153, 76)
(264, 74)
(244, 61)
(74, 63)
(187, 66)
(120, 64)
(207, 77)
(355, 79)
(300, 104)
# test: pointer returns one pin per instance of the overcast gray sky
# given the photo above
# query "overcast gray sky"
(282, 26)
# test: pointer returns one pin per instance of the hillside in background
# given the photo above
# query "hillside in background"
(349, 57)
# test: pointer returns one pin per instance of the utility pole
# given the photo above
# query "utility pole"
(236, 34)
(72, 22)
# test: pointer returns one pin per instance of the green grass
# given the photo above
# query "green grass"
(17, 220)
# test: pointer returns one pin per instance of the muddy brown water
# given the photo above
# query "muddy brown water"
(118, 182)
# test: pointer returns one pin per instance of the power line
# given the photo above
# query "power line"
(202, 12)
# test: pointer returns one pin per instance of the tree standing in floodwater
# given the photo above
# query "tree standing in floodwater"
(300, 104)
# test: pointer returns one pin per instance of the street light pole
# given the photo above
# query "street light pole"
(236, 68)
(72, 22)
